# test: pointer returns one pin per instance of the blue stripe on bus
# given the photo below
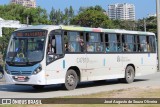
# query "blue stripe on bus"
(148, 54)
(141, 60)
(104, 62)
(63, 64)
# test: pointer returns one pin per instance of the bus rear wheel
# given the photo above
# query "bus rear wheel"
(129, 74)
(38, 87)
(71, 80)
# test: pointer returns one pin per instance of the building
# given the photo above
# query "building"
(26, 3)
(152, 15)
(10, 24)
(121, 11)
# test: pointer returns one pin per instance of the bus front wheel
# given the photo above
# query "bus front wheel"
(129, 74)
(71, 80)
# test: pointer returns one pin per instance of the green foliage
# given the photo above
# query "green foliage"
(97, 7)
(58, 17)
(5, 39)
(124, 24)
(92, 17)
(18, 12)
(151, 24)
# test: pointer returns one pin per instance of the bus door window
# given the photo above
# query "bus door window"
(51, 45)
(58, 45)
(50, 50)
(54, 49)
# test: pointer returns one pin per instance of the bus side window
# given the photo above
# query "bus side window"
(111, 42)
(94, 42)
(152, 44)
(106, 43)
(74, 42)
(143, 43)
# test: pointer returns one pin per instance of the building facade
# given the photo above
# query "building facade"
(26, 3)
(10, 24)
(121, 11)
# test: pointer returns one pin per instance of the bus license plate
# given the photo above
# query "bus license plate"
(21, 78)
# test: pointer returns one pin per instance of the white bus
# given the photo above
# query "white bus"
(47, 54)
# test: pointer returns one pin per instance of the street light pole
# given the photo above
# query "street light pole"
(144, 24)
(158, 31)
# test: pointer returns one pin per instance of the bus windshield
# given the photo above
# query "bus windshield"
(26, 47)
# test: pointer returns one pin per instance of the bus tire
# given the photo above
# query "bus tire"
(129, 74)
(71, 80)
(38, 87)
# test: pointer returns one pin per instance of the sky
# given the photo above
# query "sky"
(142, 7)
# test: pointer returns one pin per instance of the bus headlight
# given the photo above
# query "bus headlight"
(37, 70)
(7, 71)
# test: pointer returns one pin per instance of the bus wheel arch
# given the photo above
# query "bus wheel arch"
(72, 78)
(77, 70)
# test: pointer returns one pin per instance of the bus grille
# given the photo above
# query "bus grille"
(21, 72)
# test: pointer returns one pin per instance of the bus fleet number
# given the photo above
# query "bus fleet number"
(82, 60)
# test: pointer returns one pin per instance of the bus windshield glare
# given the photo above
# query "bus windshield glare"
(26, 47)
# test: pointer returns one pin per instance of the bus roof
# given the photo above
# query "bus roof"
(87, 29)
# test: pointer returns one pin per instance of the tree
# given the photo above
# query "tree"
(52, 15)
(66, 16)
(5, 39)
(97, 7)
(124, 24)
(92, 17)
(58, 17)
(151, 24)
(18, 12)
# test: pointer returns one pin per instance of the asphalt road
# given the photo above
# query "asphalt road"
(14, 91)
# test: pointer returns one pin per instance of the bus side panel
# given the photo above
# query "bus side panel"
(56, 71)
(104, 66)
(144, 63)
(148, 63)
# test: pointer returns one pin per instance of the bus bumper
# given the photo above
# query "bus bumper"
(38, 79)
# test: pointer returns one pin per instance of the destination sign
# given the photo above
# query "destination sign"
(33, 33)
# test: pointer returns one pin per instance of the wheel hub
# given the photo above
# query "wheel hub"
(71, 80)
(129, 74)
